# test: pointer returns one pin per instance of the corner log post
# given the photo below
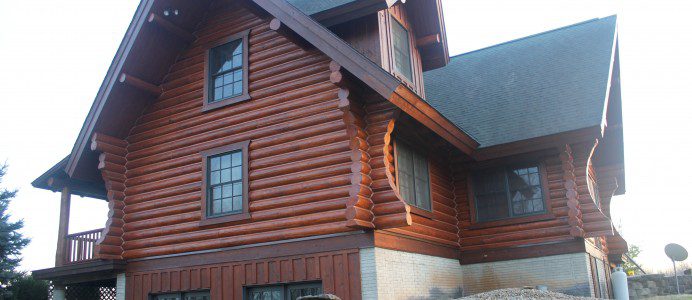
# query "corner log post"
(112, 166)
(280, 28)
(359, 205)
(390, 210)
(570, 182)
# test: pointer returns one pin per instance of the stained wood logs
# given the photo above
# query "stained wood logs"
(359, 206)
(112, 166)
(571, 192)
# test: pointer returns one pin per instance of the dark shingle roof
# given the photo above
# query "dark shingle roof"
(539, 85)
(310, 7)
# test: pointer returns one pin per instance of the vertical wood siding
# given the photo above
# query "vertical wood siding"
(300, 162)
(339, 273)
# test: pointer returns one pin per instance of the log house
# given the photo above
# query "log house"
(279, 148)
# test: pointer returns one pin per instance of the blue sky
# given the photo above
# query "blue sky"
(54, 54)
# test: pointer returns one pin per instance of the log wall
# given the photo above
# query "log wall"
(300, 155)
(566, 190)
(339, 273)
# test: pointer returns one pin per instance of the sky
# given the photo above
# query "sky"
(54, 55)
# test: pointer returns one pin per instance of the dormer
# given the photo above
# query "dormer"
(405, 38)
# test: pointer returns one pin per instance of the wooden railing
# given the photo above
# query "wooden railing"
(80, 246)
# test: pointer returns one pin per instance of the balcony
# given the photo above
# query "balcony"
(79, 247)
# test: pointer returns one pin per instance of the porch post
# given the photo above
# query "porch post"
(60, 251)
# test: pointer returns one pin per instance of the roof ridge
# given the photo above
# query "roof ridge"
(535, 35)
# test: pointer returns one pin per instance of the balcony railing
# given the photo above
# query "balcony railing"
(80, 246)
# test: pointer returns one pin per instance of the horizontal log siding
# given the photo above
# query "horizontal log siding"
(339, 273)
(299, 156)
(442, 227)
(557, 229)
(390, 210)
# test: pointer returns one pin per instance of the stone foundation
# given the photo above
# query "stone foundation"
(645, 286)
(388, 274)
(566, 273)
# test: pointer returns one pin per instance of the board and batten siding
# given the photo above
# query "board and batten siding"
(299, 157)
(338, 272)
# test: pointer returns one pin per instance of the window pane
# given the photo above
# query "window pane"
(266, 293)
(402, 51)
(225, 161)
(225, 69)
(215, 163)
(422, 181)
(237, 173)
(225, 175)
(405, 173)
(525, 189)
(221, 57)
(490, 195)
(237, 159)
(168, 297)
(215, 177)
(299, 290)
(196, 296)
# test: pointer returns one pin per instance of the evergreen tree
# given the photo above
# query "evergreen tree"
(11, 241)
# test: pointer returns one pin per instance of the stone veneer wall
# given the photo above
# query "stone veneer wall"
(645, 286)
(389, 274)
(120, 286)
(565, 273)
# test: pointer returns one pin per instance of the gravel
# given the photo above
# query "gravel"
(516, 294)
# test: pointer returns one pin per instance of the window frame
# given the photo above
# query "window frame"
(407, 81)
(414, 208)
(244, 36)
(224, 218)
(546, 214)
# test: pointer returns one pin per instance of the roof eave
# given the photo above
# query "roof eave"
(109, 81)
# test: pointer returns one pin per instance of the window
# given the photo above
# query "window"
(225, 183)
(226, 71)
(413, 178)
(284, 292)
(508, 193)
(183, 296)
(401, 50)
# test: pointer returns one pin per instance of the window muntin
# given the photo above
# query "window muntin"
(508, 193)
(226, 71)
(225, 183)
(401, 50)
(284, 292)
(412, 176)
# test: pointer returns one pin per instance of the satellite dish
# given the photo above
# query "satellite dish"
(676, 252)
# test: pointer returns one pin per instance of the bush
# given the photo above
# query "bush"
(27, 288)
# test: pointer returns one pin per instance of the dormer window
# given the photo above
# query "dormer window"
(226, 72)
(401, 50)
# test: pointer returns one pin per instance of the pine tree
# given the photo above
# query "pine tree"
(11, 241)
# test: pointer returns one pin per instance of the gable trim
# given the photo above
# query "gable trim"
(83, 139)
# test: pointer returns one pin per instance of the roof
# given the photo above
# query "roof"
(548, 83)
(310, 7)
